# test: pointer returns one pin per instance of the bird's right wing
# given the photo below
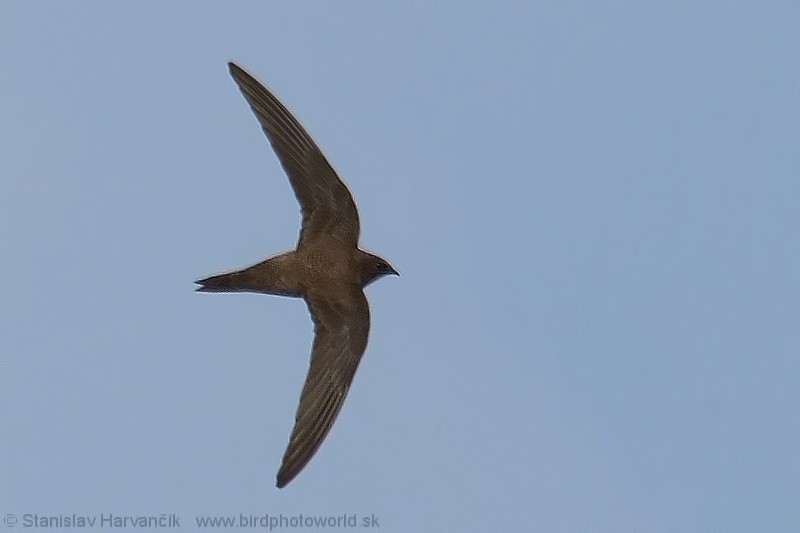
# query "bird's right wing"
(326, 203)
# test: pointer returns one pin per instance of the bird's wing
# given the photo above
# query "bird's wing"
(341, 328)
(326, 204)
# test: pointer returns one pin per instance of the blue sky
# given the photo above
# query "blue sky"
(594, 209)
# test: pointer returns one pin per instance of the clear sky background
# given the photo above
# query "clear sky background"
(595, 211)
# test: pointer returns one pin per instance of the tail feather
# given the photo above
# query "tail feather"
(273, 276)
(230, 282)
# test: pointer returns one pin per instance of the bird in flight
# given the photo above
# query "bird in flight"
(328, 270)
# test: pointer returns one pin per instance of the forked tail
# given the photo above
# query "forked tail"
(231, 282)
(273, 276)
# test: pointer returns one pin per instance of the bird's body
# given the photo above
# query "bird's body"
(321, 264)
(328, 270)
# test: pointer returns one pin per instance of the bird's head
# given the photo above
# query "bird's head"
(374, 267)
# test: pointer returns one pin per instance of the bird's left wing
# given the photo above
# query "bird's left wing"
(341, 328)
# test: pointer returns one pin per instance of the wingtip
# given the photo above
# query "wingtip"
(286, 474)
(281, 480)
(234, 68)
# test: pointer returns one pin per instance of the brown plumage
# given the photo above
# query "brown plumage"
(327, 270)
